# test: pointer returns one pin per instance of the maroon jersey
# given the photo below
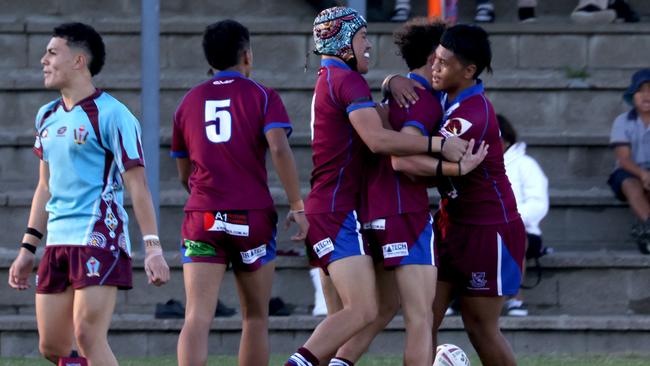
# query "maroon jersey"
(220, 126)
(484, 196)
(338, 151)
(390, 192)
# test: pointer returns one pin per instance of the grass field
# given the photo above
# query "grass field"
(373, 361)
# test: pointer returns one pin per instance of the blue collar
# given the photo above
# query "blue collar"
(327, 62)
(466, 93)
(421, 80)
(228, 74)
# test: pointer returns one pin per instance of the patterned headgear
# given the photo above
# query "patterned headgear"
(334, 29)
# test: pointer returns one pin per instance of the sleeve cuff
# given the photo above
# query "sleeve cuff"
(178, 154)
(417, 125)
(354, 107)
(285, 125)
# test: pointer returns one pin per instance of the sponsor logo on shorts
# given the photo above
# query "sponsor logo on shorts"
(323, 247)
(93, 267)
(395, 250)
(478, 280)
(233, 224)
(379, 224)
(250, 256)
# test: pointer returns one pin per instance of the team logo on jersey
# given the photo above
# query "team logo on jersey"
(455, 127)
(222, 82)
(395, 250)
(250, 256)
(379, 224)
(323, 247)
(97, 239)
(93, 267)
(80, 135)
(478, 280)
(61, 131)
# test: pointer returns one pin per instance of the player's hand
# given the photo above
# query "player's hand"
(454, 148)
(645, 179)
(471, 160)
(20, 270)
(403, 91)
(301, 220)
(156, 267)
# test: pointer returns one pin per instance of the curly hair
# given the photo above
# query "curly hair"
(417, 39)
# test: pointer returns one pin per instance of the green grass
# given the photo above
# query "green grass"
(372, 361)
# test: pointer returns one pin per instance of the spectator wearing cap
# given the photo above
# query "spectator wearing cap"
(630, 138)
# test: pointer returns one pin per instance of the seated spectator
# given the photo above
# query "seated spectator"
(630, 134)
(530, 186)
(585, 12)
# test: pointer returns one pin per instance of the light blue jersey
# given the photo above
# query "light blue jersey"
(87, 149)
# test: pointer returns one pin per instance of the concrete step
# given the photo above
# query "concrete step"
(580, 218)
(573, 284)
(142, 336)
(584, 157)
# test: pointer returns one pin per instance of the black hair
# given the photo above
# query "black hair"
(85, 37)
(508, 133)
(417, 39)
(470, 44)
(224, 43)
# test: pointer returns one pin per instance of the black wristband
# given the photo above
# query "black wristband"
(439, 168)
(430, 141)
(34, 232)
(459, 169)
(29, 247)
(442, 143)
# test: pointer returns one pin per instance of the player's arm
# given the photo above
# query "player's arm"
(367, 123)
(285, 166)
(184, 167)
(623, 155)
(156, 267)
(401, 88)
(423, 165)
(22, 267)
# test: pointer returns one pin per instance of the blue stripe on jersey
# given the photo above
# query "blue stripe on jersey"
(417, 125)
(179, 154)
(355, 106)
(285, 125)
(425, 83)
(329, 62)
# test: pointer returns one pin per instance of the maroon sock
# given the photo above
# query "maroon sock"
(340, 361)
(302, 358)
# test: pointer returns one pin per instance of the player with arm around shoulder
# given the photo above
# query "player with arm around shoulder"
(222, 131)
(90, 150)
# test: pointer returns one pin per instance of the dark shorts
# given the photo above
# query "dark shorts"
(82, 266)
(482, 260)
(333, 236)
(402, 239)
(615, 181)
(244, 238)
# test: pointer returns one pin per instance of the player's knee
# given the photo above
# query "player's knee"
(52, 351)
(367, 313)
(87, 336)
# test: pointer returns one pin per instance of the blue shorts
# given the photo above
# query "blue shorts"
(333, 236)
(402, 239)
(615, 181)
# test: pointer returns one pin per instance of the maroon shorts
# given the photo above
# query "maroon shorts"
(333, 236)
(81, 266)
(244, 238)
(401, 239)
(482, 260)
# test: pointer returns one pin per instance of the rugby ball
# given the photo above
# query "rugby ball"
(450, 355)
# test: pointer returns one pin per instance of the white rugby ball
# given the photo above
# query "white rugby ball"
(450, 355)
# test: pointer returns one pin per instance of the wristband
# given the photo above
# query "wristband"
(459, 170)
(34, 232)
(442, 143)
(150, 237)
(29, 247)
(439, 168)
(293, 212)
(430, 142)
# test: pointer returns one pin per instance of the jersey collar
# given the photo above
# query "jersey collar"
(330, 62)
(420, 79)
(228, 74)
(465, 94)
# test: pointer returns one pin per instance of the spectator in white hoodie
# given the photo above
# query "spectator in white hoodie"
(530, 187)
